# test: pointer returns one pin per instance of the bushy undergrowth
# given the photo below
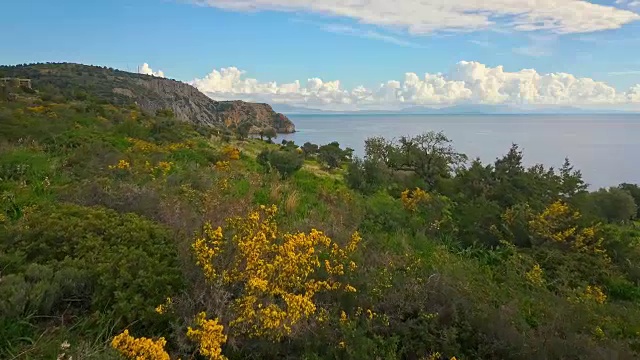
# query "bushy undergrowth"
(110, 246)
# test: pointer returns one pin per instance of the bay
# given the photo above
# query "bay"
(604, 147)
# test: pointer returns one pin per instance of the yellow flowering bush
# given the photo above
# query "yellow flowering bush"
(412, 198)
(535, 276)
(593, 294)
(37, 109)
(139, 145)
(209, 335)
(433, 211)
(278, 274)
(231, 153)
(139, 348)
(143, 146)
(222, 165)
(163, 308)
(121, 165)
(558, 224)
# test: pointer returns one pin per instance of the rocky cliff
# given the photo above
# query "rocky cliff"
(149, 93)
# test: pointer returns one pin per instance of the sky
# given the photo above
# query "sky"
(350, 54)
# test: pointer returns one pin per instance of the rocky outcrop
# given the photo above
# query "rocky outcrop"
(189, 104)
(149, 93)
(236, 112)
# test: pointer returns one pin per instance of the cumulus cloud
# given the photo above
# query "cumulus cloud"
(145, 69)
(466, 82)
(424, 17)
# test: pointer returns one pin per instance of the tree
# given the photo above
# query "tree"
(367, 176)
(613, 204)
(634, 191)
(571, 182)
(331, 155)
(243, 130)
(430, 156)
(263, 160)
(309, 148)
(285, 162)
(269, 133)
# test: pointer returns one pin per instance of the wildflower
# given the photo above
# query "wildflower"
(535, 275)
(342, 345)
(222, 165)
(163, 308)
(209, 335)
(277, 272)
(65, 345)
(595, 293)
(412, 198)
(122, 165)
(140, 348)
(343, 316)
(231, 153)
(599, 333)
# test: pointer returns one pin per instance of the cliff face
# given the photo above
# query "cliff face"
(150, 94)
(189, 104)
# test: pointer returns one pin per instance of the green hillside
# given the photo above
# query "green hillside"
(109, 223)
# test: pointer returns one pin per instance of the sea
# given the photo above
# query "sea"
(605, 148)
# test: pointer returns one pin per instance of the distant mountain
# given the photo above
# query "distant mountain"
(150, 93)
(463, 109)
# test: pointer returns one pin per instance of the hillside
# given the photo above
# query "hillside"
(149, 93)
(135, 235)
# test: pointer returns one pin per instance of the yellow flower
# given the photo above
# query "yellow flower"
(222, 165)
(535, 275)
(595, 293)
(343, 316)
(411, 199)
(122, 165)
(209, 336)
(163, 308)
(141, 348)
(231, 153)
(279, 274)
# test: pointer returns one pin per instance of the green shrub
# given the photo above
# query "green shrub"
(89, 259)
(285, 162)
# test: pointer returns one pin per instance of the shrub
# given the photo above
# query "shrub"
(91, 259)
(285, 162)
(310, 149)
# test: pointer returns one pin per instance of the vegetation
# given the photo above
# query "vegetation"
(127, 235)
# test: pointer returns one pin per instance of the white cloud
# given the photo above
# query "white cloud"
(145, 69)
(466, 82)
(424, 17)
(633, 95)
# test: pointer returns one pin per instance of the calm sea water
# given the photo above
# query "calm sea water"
(604, 147)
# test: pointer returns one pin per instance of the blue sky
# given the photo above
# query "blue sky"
(283, 41)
